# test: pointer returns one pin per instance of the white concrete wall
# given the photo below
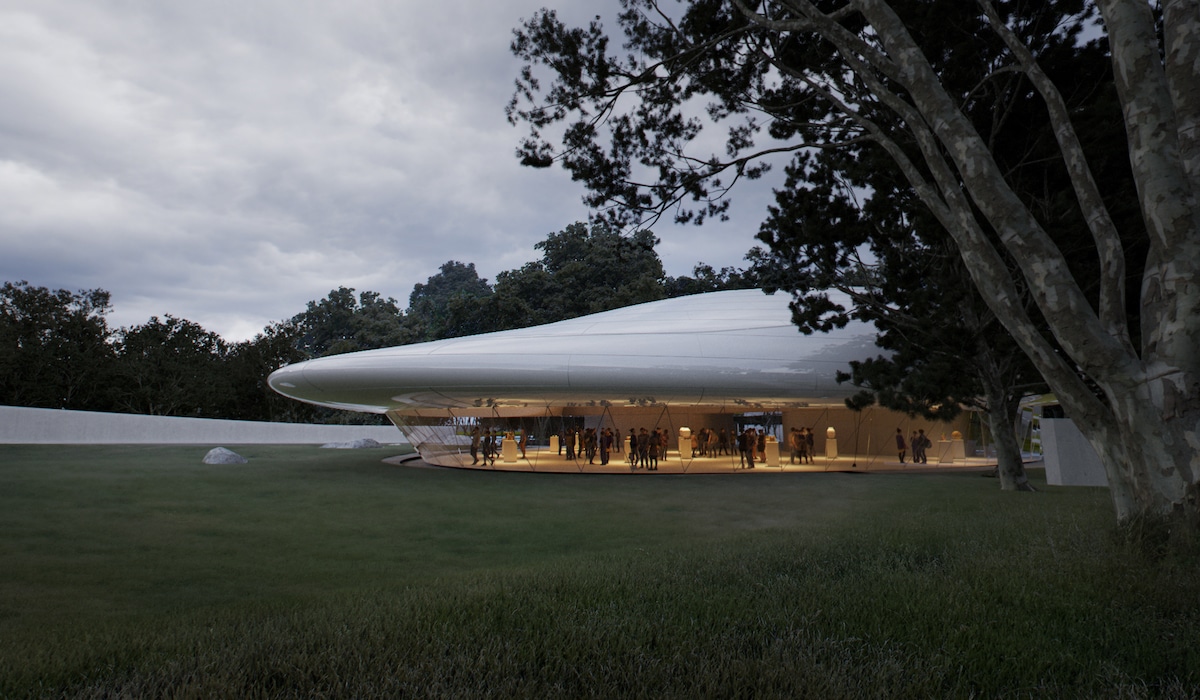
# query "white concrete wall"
(49, 426)
(1068, 456)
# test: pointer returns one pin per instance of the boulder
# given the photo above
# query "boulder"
(220, 455)
(361, 443)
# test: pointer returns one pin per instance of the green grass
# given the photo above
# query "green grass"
(140, 572)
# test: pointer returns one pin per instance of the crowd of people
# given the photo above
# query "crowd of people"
(643, 448)
(919, 444)
(589, 444)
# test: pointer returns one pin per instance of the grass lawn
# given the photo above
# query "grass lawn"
(134, 571)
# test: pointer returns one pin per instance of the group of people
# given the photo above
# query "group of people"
(917, 441)
(646, 448)
(752, 446)
(486, 444)
(710, 443)
(802, 445)
(589, 443)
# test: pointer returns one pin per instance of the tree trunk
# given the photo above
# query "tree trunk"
(1152, 461)
(1002, 418)
(999, 376)
(1145, 426)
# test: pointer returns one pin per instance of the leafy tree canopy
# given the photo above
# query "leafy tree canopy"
(54, 347)
(585, 270)
(171, 367)
(443, 306)
(927, 83)
(342, 323)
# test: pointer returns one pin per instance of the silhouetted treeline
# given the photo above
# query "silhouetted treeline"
(58, 351)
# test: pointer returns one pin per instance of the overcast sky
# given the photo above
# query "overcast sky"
(227, 162)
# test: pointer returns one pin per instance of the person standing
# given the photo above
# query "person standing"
(475, 442)
(489, 444)
(606, 443)
(925, 444)
(590, 444)
(811, 443)
(901, 447)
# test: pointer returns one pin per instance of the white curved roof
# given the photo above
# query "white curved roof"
(730, 347)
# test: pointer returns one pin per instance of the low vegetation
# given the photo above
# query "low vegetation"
(140, 572)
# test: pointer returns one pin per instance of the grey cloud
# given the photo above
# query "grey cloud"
(228, 162)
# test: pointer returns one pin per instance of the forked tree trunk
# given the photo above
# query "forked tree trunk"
(1146, 424)
(1010, 467)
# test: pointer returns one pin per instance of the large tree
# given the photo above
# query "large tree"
(584, 270)
(250, 362)
(342, 323)
(55, 349)
(846, 219)
(171, 367)
(790, 76)
(445, 305)
(946, 349)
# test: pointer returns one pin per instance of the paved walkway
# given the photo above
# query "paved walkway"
(556, 464)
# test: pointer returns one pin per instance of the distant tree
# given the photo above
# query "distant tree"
(705, 279)
(54, 347)
(447, 304)
(171, 367)
(378, 323)
(247, 366)
(342, 323)
(518, 300)
(585, 270)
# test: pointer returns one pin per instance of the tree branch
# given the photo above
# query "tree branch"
(1100, 223)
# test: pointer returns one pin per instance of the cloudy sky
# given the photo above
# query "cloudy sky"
(227, 162)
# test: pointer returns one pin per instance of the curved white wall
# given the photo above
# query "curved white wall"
(42, 426)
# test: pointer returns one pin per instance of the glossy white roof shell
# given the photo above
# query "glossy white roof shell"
(733, 347)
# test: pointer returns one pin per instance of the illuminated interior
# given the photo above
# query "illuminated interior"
(709, 362)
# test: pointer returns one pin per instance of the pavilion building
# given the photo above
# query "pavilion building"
(716, 361)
